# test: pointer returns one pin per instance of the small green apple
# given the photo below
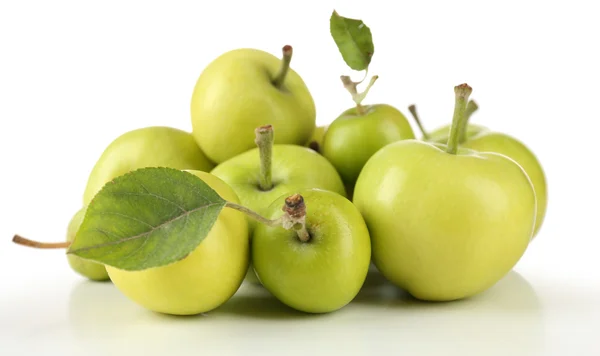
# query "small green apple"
(482, 139)
(88, 269)
(246, 88)
(145, 147)
(359, 132)
(322, 267)
(206, 278)
(446, 222)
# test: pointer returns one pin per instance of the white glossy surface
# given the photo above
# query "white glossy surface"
(74, 75)
(524, 314)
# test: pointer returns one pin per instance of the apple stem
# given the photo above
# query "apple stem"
(357, 97)
(20, 240)
(413, 111)
(295, 216)
(471, 108)
(264, 140)
(285, 66)
(462, 93)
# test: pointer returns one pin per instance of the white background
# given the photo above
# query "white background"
(75, 75)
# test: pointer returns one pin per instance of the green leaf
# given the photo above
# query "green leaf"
(353, 39)
(147, 218)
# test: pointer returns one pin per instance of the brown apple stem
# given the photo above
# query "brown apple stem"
(285, 66)
(462, 93)
(413, 111)
(352, 87)
(20, 240)
(264, 140)
(295, 216)
(471, 108)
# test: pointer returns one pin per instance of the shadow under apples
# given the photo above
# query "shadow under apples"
(255, 301)
(507, 315)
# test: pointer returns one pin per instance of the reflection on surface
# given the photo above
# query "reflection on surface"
(505, 318)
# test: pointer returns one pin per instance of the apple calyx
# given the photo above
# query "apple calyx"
(295, 216)
(20, 240)
(413, 111)
(462, 93)
(351, 87)
(286, 58)
(264, 140)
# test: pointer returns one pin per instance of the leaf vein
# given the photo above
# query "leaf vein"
(115, 242)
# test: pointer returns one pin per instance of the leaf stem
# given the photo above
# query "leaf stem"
(264, 141)
(294, 217)
(413, 111)
(462, 93)
(20, 240)
(352, 87)
(285, 66)
(471, 108)
(256, 216)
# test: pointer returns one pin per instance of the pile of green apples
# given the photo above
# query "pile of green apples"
(310, 209)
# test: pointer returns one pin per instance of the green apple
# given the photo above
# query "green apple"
(316, 140)
(482, 139)
(322, 270)
(289, 167)
(246, 88)
(91, 270)
(446, 222)
(206, 278)
(145, 147)
(354, 136)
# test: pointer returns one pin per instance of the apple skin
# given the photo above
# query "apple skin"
(206, 278)
(234, 94)
(155, 146)
(323, 274)
(440, 135)
(515, 149)
(445, 227)
(352, 139)
(482, 139)
(293, 168)
(316, 140)
(88, 269)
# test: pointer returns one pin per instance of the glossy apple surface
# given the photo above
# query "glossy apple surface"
(294, 168)
(235, 94)
(445, 226)
(352, 138)
(155, 146)
(482, 139)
